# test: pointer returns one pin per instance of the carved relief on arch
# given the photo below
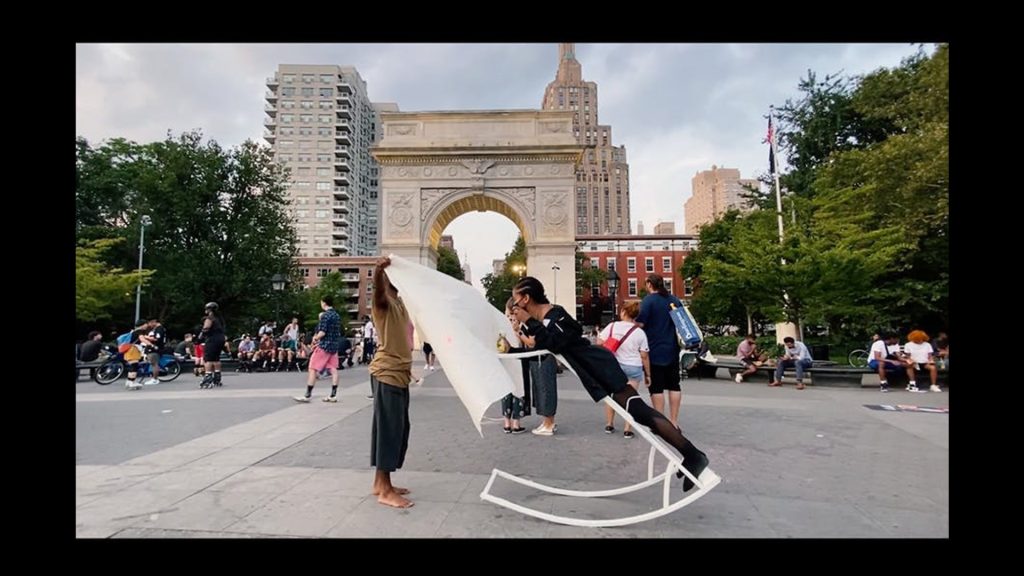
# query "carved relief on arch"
(523, 200)
(554, 211)
(401, 129)
(477, 166)
(429, 197)
(400, 214)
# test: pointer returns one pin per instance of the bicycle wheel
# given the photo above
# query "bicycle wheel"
(170, 371)
(858, 358)
(108, 372)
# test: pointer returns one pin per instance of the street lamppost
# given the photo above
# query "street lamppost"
(554, 270)
(519, 269)
(144, 221)
(277, 282)
(613, 291)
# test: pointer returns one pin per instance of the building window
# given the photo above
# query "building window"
(595, 291)
(632, 287)
(326, 119)
(288, 91)
(611, 263)
(666, 264)
(307, 104)
(649, 264)
(687, 289)
(630, 264)
(323, 186)
(287, 118)
(304, 272)
(595, 262)
(307, 92)
(327, 78)
(321, 272)
(326, 92)
(307, 78)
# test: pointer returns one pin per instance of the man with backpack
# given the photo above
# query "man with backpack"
(656, 320)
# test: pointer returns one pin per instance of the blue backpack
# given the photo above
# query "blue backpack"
(687, 331)
(125, 338)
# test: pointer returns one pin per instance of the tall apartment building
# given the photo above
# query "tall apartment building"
(664, 228)
(602, 178)
(714, 192)
(321, 125)
(447, 241)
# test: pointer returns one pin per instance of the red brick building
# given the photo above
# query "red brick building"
(356, 272)
(633, 258)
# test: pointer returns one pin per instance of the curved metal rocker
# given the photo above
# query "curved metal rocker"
(702, 485)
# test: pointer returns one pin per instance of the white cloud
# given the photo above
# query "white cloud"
(678, 108)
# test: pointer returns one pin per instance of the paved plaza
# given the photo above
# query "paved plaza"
(245, 460)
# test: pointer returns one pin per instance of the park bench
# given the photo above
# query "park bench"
(824, 373)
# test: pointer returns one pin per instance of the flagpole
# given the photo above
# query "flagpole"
(775, 173)
(779, 327)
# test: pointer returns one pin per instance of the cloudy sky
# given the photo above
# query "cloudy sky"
(678, 108)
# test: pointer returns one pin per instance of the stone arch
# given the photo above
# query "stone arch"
(437, 166)
(466, 201)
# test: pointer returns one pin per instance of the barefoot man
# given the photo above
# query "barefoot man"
(390, 374)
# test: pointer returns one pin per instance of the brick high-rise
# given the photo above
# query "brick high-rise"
(602, 177)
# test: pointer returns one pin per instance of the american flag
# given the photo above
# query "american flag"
(770, 138)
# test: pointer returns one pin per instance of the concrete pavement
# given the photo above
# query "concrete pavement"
(247, 461)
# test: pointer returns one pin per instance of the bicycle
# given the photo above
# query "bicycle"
(115, 367)
(858, 358)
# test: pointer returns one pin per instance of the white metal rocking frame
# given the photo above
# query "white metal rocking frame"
(702, 485)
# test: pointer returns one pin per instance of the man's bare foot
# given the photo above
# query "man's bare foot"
(392, 498)
(376, 491)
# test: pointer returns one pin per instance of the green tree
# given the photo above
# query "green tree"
(220, 228)
(448, 263)
(890, 201)
(309, 301)
(498, 287)
(586, 276)
(99, 288)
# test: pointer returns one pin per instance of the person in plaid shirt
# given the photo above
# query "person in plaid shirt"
(326, 341)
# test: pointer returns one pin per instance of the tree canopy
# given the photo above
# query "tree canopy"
(866, 211)
(220, 223)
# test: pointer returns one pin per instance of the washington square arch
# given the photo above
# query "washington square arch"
(437, 166)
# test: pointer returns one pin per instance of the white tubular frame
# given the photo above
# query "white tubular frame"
(702, 485)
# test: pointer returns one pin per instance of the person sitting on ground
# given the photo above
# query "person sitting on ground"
(796, 356)
(748, 355)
